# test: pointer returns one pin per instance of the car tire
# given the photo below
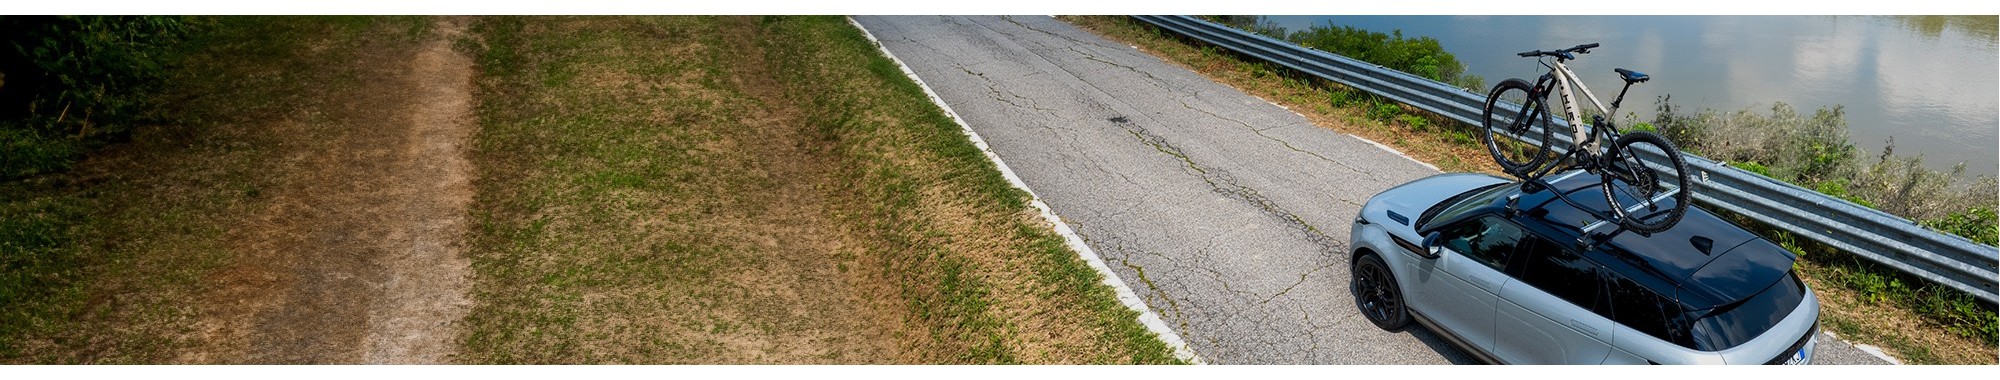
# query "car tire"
(1377, 294)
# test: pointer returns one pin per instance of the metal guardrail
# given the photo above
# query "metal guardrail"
(1887, 239)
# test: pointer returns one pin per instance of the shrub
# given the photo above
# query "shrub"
(1422, 56)
(1977, 223)
(67, 83)
(1838, 189)
(1812, 151)
(1384, 110)
(1902, 186)
(1752, 167)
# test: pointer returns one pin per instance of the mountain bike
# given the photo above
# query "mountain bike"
(1641, 172)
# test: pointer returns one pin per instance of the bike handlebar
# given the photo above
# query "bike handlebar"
(1564, 53)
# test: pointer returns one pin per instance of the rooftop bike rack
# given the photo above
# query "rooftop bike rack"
(1595, 232)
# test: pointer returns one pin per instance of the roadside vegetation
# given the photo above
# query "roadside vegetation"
(72, 84)
(109, 247)
(710, 190)
(753, 190)
(1418, 55)
(1866, 302)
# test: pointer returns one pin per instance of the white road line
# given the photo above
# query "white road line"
(1397, 152)
(1125, 295)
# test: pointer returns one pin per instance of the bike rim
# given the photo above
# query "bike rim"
(1510, 142)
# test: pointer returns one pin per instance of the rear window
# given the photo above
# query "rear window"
(1731, 325)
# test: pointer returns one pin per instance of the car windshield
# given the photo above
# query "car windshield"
(1732, 325)
(1457, 204)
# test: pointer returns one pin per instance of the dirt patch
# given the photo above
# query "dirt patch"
(357, 257)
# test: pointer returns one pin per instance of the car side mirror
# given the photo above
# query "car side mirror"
(1431, 248)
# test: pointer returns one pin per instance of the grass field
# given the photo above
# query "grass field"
(753, 190)
(122, 253)
(647, 190)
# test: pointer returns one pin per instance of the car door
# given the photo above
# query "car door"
(1554, 313)
(1458, 289)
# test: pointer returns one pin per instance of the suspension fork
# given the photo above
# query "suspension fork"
(1534, 106)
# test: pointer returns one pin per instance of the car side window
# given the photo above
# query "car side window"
(1642, 309)
(1563, 273)
(1488, 240)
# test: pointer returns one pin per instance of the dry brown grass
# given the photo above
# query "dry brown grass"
(656, 203)
(752, 190)
(648, 190)
(248, 109)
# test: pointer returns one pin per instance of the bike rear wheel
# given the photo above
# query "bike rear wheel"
(1645, 180)
(1516, 127)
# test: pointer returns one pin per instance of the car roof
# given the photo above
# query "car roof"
(1735, 264)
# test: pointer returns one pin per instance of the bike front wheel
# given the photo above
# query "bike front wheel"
(1645, 180)
(1516, 125)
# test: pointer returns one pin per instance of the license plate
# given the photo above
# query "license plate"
(1803, 355)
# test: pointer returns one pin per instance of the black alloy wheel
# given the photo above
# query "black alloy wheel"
(1376, 293)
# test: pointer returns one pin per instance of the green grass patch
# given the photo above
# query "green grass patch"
(669, 189)
(1057, 272)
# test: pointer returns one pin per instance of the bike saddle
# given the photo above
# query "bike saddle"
(1632, 76)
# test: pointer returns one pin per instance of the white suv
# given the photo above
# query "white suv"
(1505, 271)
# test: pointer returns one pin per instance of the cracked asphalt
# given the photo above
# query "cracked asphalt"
(1227, 214)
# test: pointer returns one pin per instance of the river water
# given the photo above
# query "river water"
(1931, 82)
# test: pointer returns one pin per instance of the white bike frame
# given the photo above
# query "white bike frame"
(1576, 123)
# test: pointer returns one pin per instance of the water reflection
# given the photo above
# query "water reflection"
(1932, 82)
(1976, 27)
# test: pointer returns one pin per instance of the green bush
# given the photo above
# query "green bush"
(1384, 111)
(1422, 56)
(1752, 167)
(1813, 151)
(71, 82)
(1838, 189)
(1977, 223)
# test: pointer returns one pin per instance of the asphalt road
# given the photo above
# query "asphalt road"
(1227, 214)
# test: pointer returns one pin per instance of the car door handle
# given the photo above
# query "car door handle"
(1580, 326)
(1481, 283)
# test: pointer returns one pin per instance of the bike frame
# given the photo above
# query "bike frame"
(1565, 79)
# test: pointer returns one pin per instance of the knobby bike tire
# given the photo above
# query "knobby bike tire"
(1645, 182)
(1531, 122)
